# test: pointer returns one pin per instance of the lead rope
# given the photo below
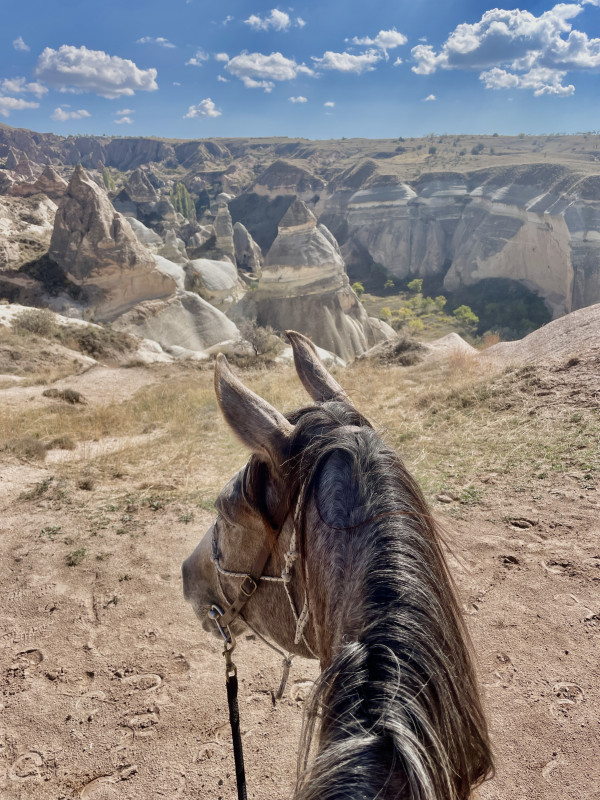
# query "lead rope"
(231, 684)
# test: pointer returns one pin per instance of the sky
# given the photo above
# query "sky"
(353, 68)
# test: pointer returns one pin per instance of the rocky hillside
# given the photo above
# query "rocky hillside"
(454, 210)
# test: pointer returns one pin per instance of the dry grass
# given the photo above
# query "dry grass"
(456, 426)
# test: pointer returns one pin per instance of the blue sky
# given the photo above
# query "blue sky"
(191, 68)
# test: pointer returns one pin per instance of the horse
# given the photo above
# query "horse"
(351, 571)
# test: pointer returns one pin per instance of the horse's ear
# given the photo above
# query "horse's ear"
(320, 385)
(260, 426)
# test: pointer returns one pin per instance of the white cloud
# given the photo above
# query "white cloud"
(125, 111)
(221, 57)
(348, 62)
(160, 40)
(299, 99)
(329, 104)
(8, 104)
(516, 49)
(385, 40)
(19, 44)
(228, 19)
(259, 71)
(278, 20)
(430, 98)
(20, 86)
(398, 61)
(77, 69)
(196, 60)
(60, 115)
(300, 22)
(176, 83)
(123, 121)
(540, 80)
(205, 108)
(222, 79)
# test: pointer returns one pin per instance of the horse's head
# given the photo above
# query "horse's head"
(253, 528)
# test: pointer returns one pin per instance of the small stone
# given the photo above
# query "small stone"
(443, 498)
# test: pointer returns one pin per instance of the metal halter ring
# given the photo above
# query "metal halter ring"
(215, 614)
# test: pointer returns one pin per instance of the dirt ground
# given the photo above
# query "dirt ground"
(110, 690)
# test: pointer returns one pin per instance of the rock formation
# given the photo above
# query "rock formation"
(183, 321)
(96, 249)
(248, 254)
(304, 286)
(216, 281)
(49, 183)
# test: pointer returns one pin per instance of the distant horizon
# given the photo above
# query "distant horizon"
(260, 70)
(430, 134)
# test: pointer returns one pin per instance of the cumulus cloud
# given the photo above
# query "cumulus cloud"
(20, 86)
(160, 40)
(348, 62)
(539, 79)
(19, 44)
(123, 121)
(221, 57)
(125, 111)
(8, 104)
(329, 104)
(205, 108)
(62, 115)
(516, 49)
(222, 79)
(259, 71)
(299, 99)
(77, 70)
(430, 98)
(197, 59)
(398, 61)
(277, 20)
(385, 40)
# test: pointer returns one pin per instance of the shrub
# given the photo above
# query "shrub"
(39, 321)
(385, 314)
(465, 316)
(358, 288)
(415, 285)
(262, 339)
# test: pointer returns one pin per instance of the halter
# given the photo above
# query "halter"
(224, 618)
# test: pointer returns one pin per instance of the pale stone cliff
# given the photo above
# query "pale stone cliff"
(304, 286)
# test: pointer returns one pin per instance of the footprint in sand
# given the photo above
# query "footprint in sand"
(27, 767)
(143, 723)
(566, 697)
(503, 670)
(106, 787)
(147, 682)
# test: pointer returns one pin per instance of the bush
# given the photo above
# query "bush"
(262, 339)
(358, 288)
(39, 321)
(466, 317)
(416, 285)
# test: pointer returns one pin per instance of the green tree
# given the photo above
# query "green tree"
(182, 202)
(416, 285)
(385, 314)
(108, 179)
(358, 288)
(440, 301)
(466, 317)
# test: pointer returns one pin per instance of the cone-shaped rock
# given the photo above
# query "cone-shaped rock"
(139, 188)
(96, 249)
(247, 253)
(49, 183)
(304, 286)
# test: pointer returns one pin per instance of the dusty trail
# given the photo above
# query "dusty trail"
(109, 689)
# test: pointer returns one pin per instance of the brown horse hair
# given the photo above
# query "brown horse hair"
(396, 712)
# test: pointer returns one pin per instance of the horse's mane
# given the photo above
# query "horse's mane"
(398, 706)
